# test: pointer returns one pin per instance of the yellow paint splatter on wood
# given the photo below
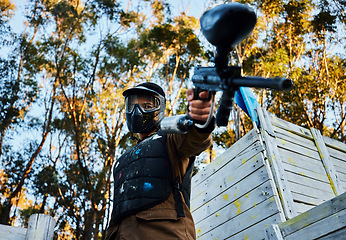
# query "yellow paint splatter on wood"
(272, 199)
(332, 183)
(217, 214)
(283, 142)
(231, 178)
(225, 197)
(246, 237)
(237, 204)
(247, 195)
(244, 161)
(198, 231)
(291, 161)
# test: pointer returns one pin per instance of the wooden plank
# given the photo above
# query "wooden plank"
(236, 224)
(275, 162)
(230, 166)
(313, 201)
(235, 207)
(315, 172)
(13, 233)
(322, 211)
(266, 122)
(308, 182)
(286, 136)
(290, 127)
(226, 178)
(256, 187)
(256, 231)
(241, 145)
(274, 188)
(303, 164)
(340, 167)
(342, 178)
(328, 164)
(309, 191)
(340, 170)
(41, 227)
(338, 234)
(228, 169)
(341, 174)
(302, 207)
(340, 146)
(339, 164)
(313, 154)
(335, 153)
(343, 184)
(321, 228)
(338, 158)
(273, 233)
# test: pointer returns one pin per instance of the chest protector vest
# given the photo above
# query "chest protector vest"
(143, 178)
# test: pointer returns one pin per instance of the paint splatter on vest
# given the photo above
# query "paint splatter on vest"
(142, 177)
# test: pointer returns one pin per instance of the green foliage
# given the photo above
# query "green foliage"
(6, 10)
(16, 95)
(299, 38)
(224, 139)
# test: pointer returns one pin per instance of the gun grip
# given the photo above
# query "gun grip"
(197, 91)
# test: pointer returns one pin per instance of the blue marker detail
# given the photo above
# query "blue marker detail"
(147, 186)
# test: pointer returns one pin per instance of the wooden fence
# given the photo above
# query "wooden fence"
(275, 173)
(41, 227)
(326, 221)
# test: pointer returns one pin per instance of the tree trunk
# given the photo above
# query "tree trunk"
(88, 223)
(5, 212)
(2, 135)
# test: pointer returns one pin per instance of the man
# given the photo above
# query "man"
(152, 179)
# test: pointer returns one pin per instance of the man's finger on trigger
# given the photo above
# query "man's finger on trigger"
(204, 94)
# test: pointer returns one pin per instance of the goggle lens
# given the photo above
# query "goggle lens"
(147, 103)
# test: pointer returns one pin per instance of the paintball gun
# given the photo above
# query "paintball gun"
(223, 26)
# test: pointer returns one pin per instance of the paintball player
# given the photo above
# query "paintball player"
(152, 180)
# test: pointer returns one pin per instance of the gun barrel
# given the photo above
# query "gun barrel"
(277, 83)
(214, 83)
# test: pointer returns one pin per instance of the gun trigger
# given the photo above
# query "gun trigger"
(197, 91)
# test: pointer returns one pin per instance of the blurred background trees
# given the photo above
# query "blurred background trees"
(62, 120)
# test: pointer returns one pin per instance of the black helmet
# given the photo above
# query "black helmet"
(145, 106)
